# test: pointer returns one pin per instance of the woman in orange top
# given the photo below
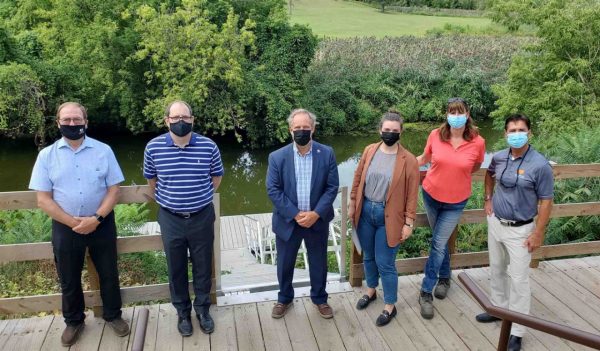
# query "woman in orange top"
(455, 151)
(383, 205)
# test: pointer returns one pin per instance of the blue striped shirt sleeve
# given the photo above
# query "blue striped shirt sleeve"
(216, 165)
(149, 168)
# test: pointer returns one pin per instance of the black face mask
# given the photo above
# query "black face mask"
(390, 138)
(72, 132)
(302, 136)
(180, 128)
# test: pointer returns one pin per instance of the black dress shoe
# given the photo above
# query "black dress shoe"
(486, 318)
(184, 325)
(514, 343)
(206, 322)
(385, 317)
(364, 301)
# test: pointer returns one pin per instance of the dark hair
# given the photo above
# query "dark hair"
(391, 115)
(459, 105)
(517, 117)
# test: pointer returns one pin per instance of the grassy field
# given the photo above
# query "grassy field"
(338, 18)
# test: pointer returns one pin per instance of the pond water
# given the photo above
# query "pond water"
(243, 187)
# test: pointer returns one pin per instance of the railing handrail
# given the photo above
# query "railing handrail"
(552, 328)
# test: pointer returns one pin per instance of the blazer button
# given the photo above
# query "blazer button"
(386, 216)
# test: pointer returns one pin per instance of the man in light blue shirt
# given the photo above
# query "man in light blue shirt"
(77, 182)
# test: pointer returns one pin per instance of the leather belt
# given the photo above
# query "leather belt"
(185, 215)
(511, 223)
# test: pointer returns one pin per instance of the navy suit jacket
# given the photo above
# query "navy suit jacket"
(281, 188)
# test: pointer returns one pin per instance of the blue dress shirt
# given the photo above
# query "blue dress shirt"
(303, 168)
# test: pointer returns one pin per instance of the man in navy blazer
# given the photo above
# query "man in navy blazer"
(302, 183)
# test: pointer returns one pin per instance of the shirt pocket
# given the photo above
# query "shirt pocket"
(98, 171)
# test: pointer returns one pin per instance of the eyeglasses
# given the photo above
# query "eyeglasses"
(75, 120)
(517, 170)
(175, 119)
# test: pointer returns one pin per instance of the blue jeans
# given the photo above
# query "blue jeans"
(443, 218)
(379, 259)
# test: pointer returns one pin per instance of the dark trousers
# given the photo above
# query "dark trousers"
(196, 234)
(69, 254)
(287, 251)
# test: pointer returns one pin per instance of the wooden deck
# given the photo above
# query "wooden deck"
(564, 291)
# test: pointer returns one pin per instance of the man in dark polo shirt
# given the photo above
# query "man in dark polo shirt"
(524, 180)
(184, 169)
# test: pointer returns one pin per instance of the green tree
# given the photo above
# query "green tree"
(557, 80)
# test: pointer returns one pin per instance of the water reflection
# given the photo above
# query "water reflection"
(243, 188)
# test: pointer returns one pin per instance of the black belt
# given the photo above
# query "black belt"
(511, 223)
(185, 215)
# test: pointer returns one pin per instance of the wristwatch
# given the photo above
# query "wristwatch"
(98, 218)
(409, 225)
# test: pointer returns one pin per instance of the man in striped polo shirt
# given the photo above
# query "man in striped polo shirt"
(184, 169)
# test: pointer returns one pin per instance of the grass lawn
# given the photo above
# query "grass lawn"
(338, 18)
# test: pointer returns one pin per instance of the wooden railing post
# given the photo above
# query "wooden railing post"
(452, 241)
(94, 282)
(216, 266)
(355, 258)
(504, 335)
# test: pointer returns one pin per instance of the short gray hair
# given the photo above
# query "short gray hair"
(298, 111)
(391, 115)
(168, 109)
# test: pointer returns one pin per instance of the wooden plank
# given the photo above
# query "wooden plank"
(325, 330)
(110, 340)
(28, 334)
(152, 328)
(411, 322)
(437, 326)
(52, 340)
(585, 277)
(167, 335)
(390, 337)
(462, 324)
(248, 329)
(91, 335)
(348, 325)
(299, 328)
(274, 331)
(224, 337)
(481, 277)
(7, 331)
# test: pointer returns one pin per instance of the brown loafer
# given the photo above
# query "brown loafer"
(71, 334)
(325, 310)
(120, 327)
(280, 309)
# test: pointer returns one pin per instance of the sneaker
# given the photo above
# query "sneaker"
(120, 327)
(280, 309)
(364, 301)
(441, 289)
(426, 302)
(71, 334)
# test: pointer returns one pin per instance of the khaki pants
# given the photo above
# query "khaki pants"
(509, 268)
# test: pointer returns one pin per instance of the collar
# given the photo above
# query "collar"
(86, 143)
(169, 140)
(296, 152)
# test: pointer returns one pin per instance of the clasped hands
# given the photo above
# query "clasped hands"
(306, 219)
(85, 225)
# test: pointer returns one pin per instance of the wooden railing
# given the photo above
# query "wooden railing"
(43, 251)
(510, 317)
(460, 260)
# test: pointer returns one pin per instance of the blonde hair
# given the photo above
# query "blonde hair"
(71, 103)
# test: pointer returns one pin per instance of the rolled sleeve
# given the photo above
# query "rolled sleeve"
(492, 166)
(40, 177)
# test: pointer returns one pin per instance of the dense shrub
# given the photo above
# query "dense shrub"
(352, 80)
